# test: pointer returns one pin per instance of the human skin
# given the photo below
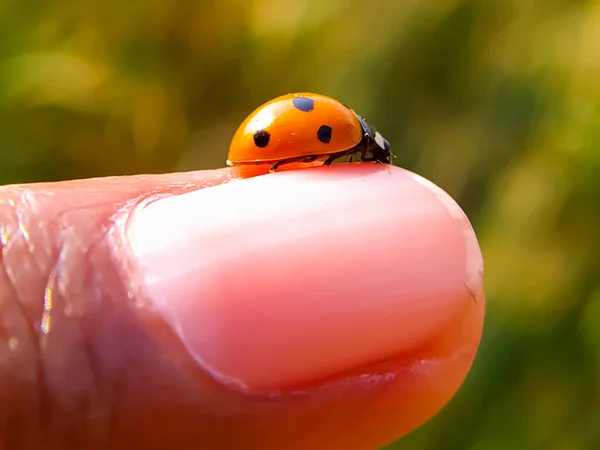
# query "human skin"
(326, 307)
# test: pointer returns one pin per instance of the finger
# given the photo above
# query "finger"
(307, 309)
(54, 290)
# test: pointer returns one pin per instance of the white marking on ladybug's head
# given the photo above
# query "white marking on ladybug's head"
(381, 141)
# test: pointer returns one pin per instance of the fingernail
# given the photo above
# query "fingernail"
(293, 277)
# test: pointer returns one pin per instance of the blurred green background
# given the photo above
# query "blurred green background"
(496, 101)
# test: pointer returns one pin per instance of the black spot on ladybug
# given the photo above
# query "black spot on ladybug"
(324, 134)
(304, 104)
(261, 138)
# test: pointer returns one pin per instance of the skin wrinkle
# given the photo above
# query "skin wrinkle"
(78, 320)
(24, 207)
(6, 247)
(111, 408)
(55, 410)
(67, 247)
(110, 394)
(31, 336)
(73, 275)
(66, 279)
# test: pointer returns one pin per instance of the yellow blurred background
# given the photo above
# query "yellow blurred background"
(496, 101)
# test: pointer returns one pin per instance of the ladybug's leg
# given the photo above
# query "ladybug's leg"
(353, 153)
(275, 166)
(381, 156)
(370, 159)
(361, 150)
(363, 154)
(378, 155)
(300, 159)
(335, 156)
(330, 159)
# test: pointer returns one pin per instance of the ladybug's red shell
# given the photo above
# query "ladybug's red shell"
(293, 126)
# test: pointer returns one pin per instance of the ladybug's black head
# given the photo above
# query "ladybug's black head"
(378, 145)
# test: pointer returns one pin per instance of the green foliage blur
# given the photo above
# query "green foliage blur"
(496, 101)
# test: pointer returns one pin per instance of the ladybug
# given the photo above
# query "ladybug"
(304, 127)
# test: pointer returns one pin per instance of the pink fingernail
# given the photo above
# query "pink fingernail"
(288, 278)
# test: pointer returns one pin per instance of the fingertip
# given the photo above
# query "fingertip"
(316, 278)
(331, 249)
